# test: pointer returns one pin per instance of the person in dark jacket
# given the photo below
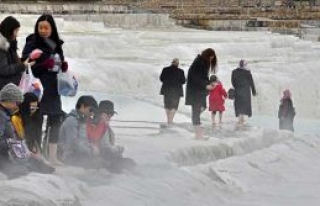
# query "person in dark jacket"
(286, 112)
(243, 84)
(198, 85)
(11, 68)
(172, 79)
(46, 68)
(74, 146)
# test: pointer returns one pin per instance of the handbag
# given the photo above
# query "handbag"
(18, 148)
(67, 84)
(231, 93)
(29, 83)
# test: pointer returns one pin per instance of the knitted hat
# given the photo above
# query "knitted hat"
(11, 93)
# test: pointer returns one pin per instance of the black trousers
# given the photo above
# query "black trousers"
(196, 111)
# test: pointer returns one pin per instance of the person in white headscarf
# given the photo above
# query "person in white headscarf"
(243, 84)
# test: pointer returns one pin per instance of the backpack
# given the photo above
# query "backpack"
(231, 93)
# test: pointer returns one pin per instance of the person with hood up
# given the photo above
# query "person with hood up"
(286, 112)
(48, 63)
(242, 82)
(217, 98)
(11, 67)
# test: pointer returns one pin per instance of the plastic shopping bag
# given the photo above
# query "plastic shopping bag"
(29, 83)
(18, 148)
(67, 84)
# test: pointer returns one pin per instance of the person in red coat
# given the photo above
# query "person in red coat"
(217, 98)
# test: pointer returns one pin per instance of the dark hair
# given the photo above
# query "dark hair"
(213, 64)
(24, 108)
(7, 26)
(86, 101)
(48, 17)
(213, 78)
(206, 54)
(54, 33)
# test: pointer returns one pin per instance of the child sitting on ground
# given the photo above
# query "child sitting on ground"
(217, 98)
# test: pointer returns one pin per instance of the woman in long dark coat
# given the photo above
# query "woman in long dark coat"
(243, 84)
(46, 68)
(198, 85)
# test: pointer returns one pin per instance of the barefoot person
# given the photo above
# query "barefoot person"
(198, 86)
(172, 79)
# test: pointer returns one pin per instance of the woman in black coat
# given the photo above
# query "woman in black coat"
(198, 85)
(172, 78)
(46, 68)
(243, 84)
(11, 68)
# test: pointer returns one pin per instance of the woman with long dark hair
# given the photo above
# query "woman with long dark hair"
(11, 68)
(31, 119)
(27, 124)
(198, 85)
(46, 68)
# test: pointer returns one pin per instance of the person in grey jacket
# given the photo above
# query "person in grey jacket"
(73, 146)
(11, 68)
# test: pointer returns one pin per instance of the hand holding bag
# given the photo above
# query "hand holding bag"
(29, 83)
(67, 84)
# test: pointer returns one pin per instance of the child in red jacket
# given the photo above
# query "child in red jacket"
(217, 98)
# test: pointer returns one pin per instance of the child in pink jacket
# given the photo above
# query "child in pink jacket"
(217, 98)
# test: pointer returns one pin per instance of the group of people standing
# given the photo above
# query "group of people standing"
(200, 84)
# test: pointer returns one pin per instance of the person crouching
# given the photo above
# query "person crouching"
(102, 137)
(73, 146)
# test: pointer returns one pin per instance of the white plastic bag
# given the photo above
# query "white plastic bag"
(67, 84)
(29, 83)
